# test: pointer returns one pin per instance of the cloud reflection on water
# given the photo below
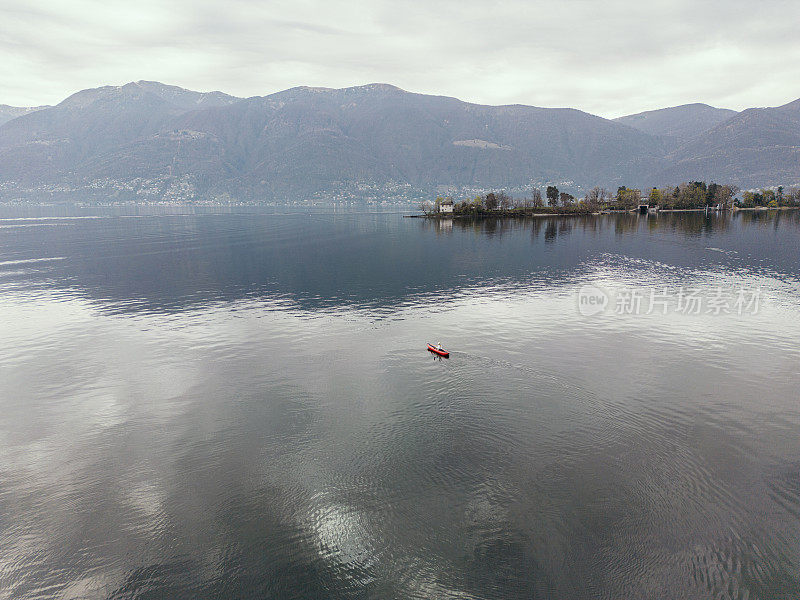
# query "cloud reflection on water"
(174, 425)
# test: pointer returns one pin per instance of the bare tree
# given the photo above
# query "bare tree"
(724, 195)
(536, 198)
(503, 200)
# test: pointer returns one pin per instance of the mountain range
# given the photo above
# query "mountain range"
(12, 112)
(146, 141)
(678, 124)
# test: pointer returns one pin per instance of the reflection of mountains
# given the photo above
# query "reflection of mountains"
(168, 264)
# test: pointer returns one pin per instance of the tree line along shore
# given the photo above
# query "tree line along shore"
(693, 195)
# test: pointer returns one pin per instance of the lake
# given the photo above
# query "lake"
(238, 403)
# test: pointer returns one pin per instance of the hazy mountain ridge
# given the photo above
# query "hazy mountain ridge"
(8, 113)
(678, 124)
(756, 147)
(145, 140)
(381, 133)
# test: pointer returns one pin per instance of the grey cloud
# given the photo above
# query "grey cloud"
(609, 58)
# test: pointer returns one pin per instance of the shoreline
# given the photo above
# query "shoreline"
(765, 208)
(506, 215)
(502, 216)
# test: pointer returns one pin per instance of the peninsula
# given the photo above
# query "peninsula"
(690, 196)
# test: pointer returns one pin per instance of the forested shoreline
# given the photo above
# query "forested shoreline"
(693, 195)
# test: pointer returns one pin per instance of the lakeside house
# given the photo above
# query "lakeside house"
(446, 206)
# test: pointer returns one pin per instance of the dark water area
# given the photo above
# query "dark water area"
(239, 404)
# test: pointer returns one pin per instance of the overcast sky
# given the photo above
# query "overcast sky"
(607, 57)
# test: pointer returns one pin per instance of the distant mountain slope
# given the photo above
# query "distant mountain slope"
(680, 123)
(12, 112)
(187, 99)
(755, 148)
(146, 140)
(54, 144)
(308, 140)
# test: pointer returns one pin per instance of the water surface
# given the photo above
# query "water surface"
(239, 404)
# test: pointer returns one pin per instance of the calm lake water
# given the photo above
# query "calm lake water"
(240, 405)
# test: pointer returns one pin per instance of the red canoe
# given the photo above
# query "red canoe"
(435, 350)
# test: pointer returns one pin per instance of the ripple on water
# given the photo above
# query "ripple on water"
(214, 407)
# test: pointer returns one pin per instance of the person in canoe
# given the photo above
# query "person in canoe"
(438, 350)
